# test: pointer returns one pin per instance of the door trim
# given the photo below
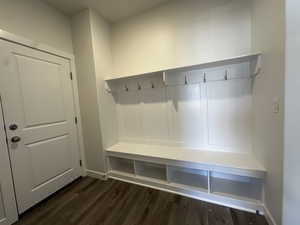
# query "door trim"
(8, 199)
(10, 37)
(4, 35)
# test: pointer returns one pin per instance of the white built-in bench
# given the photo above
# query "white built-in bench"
(233, 179)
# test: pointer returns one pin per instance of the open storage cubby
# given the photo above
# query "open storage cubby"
(235, 186)
(151, 170)
(121, 165)
(191, 178)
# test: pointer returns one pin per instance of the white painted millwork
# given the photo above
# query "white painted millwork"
(37, 95)
(236, 163)
(237, 70)
(189, 130)
(202, 107)
(175, 89)
(8, 207)
(230, 190)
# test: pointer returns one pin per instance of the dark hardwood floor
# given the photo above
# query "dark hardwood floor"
(93, 202)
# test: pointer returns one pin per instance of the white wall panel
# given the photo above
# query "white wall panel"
(229, 115)
(129, 116)
(185, 114)
(154, 114)
(215, 115)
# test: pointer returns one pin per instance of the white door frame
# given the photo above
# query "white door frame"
(4, 35)
(6, 180)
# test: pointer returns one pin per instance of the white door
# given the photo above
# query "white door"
(8, 208)
(39, 116)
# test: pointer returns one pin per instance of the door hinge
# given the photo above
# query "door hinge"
(76, 120)
(80, 163)
(71, 75)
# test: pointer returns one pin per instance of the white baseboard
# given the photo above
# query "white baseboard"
(270, 219)
(96, 174)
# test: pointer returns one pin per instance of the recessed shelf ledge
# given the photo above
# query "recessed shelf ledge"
(227, 162)
(219, 62)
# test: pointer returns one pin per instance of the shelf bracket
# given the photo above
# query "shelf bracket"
(257, 70)
(107, 88)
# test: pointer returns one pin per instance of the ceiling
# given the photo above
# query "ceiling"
(112, 10)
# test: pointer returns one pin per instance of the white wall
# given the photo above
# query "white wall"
(291, 194)
(91, 38)
(101, 40)
(268, 37)
(87, 88)
(37, 21)
(181, 33)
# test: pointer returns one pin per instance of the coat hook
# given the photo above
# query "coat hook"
(226, 75)
(152, 84)
(139, 86)
(185, 80)
(126, 88)
(204, 79)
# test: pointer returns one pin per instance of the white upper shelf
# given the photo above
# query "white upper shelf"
(219, 62)
(237, 163)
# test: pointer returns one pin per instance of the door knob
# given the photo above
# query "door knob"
(13, 126)
(15, 139)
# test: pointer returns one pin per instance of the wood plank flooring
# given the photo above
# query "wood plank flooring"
(94, 202)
